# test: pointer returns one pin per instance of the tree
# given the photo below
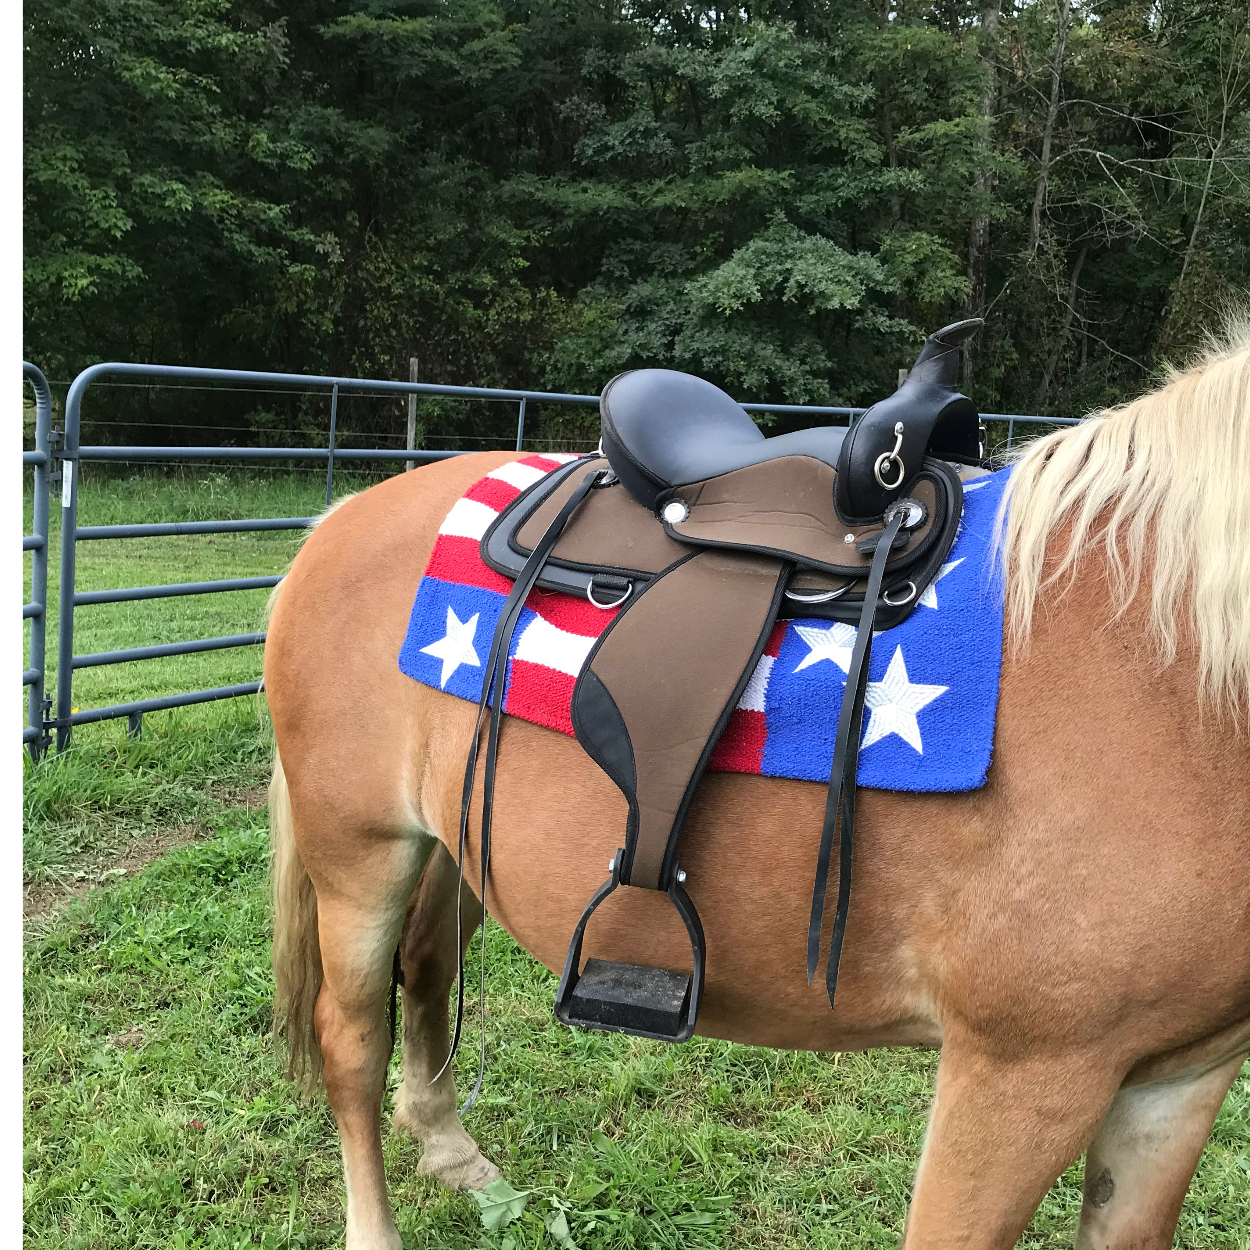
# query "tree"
(784, 199)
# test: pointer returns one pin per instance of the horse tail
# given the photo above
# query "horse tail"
(296, 951)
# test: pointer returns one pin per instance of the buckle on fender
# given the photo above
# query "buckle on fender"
(633, 998)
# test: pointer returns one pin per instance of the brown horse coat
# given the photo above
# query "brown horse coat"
(1075, 935)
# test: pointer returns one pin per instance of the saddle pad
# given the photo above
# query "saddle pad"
(933, 680)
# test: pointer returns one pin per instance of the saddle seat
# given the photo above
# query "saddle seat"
(663, 429)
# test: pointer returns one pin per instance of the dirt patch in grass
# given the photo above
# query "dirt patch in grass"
(42, 900)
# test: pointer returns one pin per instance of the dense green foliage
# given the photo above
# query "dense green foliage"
(542, 192)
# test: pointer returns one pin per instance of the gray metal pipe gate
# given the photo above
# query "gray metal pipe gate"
(35, 734)
(72, 455)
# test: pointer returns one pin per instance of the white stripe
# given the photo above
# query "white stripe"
(542, 643)
(753, 696)
(467, 519)
(517, 474)
(563, 457)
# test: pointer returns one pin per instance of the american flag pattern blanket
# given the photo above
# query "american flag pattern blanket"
(933, 680)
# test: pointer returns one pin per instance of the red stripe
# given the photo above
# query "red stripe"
(494, 492)
(541, 694)
(457, 559)
(572, 613)
(545, 463)
(741, 746)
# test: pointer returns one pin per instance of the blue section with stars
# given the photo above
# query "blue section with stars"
(932, 681)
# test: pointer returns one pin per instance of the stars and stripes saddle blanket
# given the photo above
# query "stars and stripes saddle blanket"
(932, 687)
(697, 595)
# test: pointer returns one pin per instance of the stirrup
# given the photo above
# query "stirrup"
(633, 998)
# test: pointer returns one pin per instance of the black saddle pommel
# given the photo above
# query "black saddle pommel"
(927, 415)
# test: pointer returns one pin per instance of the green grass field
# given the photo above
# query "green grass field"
(155, 1112)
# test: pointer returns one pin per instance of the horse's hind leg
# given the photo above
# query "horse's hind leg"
(1140, 1163)
(428, 959)
(363, 885)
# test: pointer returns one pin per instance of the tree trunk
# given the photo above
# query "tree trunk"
(983, 184)
(1048, 133)
(1069, 314)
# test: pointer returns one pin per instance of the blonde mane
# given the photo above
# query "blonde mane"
(1162, 486)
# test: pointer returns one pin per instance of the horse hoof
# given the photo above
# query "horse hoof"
(475, 1172)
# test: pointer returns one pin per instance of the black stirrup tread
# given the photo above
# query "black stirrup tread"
(662, 429)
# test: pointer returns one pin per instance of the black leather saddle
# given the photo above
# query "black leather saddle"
(698, 533)
(662, 429)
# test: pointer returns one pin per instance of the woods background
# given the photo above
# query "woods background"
(783, 197)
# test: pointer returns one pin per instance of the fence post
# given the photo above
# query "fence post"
(68, 455)
(334, 420)
(520, 425)
(39, 560)
(412, 413)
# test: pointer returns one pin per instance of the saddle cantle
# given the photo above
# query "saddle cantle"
(700, 533)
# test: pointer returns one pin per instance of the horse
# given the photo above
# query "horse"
(1074, 936)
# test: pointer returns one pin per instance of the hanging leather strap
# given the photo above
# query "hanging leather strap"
(494, 682)
(841, 796)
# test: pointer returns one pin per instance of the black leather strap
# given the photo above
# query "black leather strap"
(841, 795)
(493, 684)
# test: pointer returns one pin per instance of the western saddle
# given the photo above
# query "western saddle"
(703, 533)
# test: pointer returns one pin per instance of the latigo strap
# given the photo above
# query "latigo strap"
(842, 773)
(493, 689)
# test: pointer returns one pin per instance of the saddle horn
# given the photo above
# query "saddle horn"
(886, 447)
(938, 361)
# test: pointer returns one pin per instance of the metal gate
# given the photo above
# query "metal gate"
(35, 734)
(71, 455)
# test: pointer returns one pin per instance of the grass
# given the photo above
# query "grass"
(155, 1112)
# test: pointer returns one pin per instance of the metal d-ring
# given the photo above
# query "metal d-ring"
(907, 598)
(883, 460)
(817, 596)
(607, 607)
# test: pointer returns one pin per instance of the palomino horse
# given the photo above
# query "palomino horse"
(1075, 935)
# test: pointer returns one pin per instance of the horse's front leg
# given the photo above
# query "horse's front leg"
(428, 958)
(1001, 1131)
